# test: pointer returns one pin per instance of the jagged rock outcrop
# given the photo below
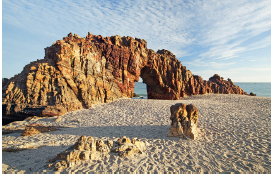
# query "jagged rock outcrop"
(77, 72)
(90, 149)
(184, 121)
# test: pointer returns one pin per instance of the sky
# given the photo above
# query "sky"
(231, 38)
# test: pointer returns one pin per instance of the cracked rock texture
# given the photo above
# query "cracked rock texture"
(90, 149)
(184, 121)
(78, 72)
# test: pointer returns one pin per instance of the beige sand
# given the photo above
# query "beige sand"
(236, 137)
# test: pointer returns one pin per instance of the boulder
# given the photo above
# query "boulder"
(135, 95)
(184, 121)
(252, 94)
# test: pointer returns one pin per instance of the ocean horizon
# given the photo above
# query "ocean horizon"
(261, 89)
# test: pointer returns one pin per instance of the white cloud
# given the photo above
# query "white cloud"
(228, 51)
(223, 51)
(259, 59)
(231, 20)
(179, 23)
(245, 69)
(261, 44)
(220, 27)
(242, 74)
(229, 24)
(204, 63)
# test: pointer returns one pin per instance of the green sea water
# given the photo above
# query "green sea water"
(258, 88)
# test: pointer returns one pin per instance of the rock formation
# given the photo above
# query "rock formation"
(36, 129)
(77, 72)
(184, 121)
(135, 95)
(90, 149)
(252, 94)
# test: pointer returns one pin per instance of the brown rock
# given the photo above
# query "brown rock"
(140, 145)
(58, 119)
(135, 95)
(77, 72)
(87, 155)
(184, 121)
(89, 149)
(102, 147)
(36, 129)
(110, 144)
(123, 140)
(128, 149)
(252, 94)
(83, 143)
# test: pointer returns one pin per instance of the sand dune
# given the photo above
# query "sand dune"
(235, 137)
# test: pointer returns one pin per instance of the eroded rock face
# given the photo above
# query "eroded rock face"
(77, 72)
(90, 149)
(184, 121)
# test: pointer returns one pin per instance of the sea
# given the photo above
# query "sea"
(258, 88)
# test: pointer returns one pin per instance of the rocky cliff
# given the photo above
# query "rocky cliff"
(77, 72)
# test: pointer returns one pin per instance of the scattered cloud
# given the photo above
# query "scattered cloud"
(212, 31)
(231, 20)
(203, 63)
(179, 24)
(241, 74)
(261, 44)
(259, 59)
(223, 51)
(244, 69)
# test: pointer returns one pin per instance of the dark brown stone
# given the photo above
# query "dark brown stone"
(135, 95)
(252, 94)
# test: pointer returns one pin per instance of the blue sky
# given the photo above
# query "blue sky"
(231, 38)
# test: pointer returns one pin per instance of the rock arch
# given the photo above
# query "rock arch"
(77, 72)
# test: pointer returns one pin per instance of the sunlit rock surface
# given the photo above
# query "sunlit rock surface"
(184, 121)
(78, 72)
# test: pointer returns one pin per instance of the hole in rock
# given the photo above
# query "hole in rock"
(140, 89)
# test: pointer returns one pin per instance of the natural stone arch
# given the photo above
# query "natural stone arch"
(165, 76)
(78, 72)
(149, 77)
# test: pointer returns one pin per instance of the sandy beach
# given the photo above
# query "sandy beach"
(235, 137)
